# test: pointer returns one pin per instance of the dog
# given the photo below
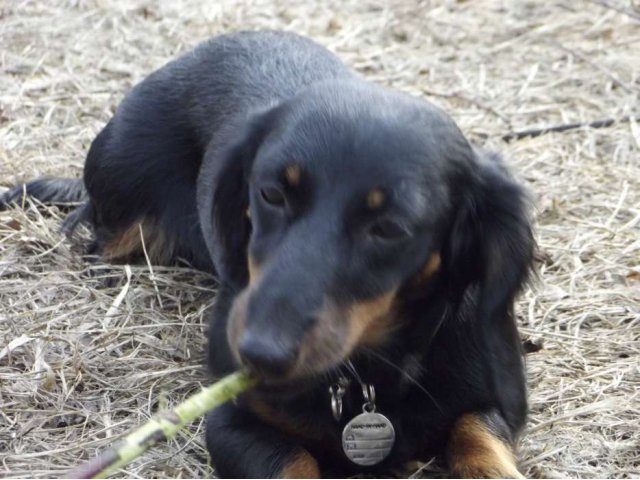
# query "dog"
(368, 256)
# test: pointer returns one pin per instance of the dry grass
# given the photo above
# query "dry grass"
(93, 349)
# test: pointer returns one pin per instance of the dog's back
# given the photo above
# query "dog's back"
(245, 71)
(141, 169)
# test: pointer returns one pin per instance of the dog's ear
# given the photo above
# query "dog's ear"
(490, 250)
(491, 242)
(223, 194)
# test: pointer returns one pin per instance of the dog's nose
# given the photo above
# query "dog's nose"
(267, 356)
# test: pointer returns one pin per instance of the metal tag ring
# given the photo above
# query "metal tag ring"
(336, 407)
(336, 391)
(369, 407)
(369, 393)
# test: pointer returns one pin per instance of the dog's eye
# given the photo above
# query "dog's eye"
(272, 196)
(388, 230)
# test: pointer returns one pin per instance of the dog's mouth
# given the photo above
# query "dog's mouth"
(285, 356)
(316, 361)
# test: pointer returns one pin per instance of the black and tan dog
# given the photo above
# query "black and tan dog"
(349, 225)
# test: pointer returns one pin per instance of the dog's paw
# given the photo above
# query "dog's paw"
(486, 470)
(476, 450)
(302, 465)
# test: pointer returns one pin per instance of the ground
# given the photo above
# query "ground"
(88, 350)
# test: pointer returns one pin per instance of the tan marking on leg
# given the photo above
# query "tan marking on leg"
(375, 198)
(474, 452)
(124, 244)
(127, 244)
(292, 174)
(302, 465)
(160, 248)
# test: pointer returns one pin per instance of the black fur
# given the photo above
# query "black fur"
(46, 190)
(192, 149)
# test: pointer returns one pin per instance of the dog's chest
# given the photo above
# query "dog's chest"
(417, 424)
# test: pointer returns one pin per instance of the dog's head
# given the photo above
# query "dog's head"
(323, 211)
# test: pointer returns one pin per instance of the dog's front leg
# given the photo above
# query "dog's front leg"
(242, 446)
(480, 447)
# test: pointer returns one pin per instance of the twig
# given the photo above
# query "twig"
(472, 101)
(152, 276)
(163, 426)
(597, 66)
(626, 11)
(563, 127)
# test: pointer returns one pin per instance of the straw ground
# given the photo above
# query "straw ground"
(89, 350)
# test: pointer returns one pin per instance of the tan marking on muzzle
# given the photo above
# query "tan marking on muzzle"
(238, 313)
(339, 330)
(254, 271)
(431, 266)
(323, 346)
(237, 322)
(371, 321)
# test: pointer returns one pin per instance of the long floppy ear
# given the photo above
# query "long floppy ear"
(491, 241)
(491, 249)
(223, 194)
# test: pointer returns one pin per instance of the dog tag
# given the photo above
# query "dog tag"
(368, 438)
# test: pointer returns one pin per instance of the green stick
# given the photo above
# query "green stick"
(163, 426)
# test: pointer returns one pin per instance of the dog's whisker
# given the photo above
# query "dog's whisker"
(409, 377)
